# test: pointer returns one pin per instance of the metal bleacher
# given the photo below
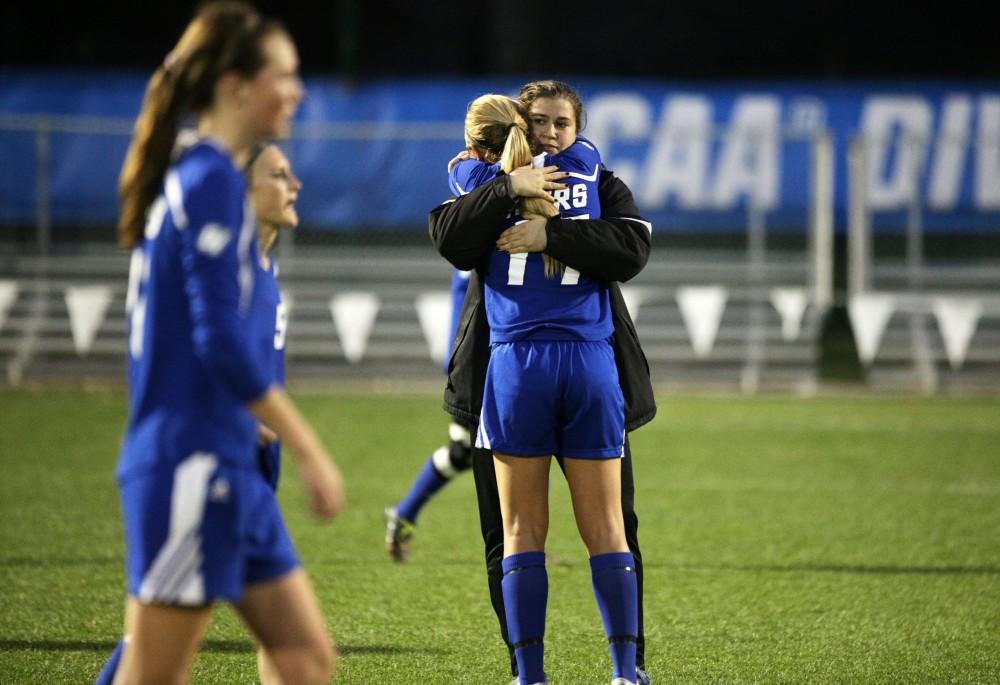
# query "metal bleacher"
(749, 351)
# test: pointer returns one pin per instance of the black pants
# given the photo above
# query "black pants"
(491, 522)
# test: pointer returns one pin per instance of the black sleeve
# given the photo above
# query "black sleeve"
(464, 229)
(612, 248)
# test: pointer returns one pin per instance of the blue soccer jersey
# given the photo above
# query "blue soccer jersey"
(522, 303)
(198, 351)
(274, 319)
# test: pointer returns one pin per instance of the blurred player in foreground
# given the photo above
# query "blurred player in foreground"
(201, 522)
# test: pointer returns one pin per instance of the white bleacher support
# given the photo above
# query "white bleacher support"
(87, 306)
(434, 314)
(701, 308)
(353, 316)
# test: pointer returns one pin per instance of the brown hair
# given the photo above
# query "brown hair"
(497, 124)
(224, 36)
(553, 89)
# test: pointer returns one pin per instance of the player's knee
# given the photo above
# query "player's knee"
(171, 676)
(460, 456)
(526, 536)
(322, 661)
(604, 537)
(311, 665)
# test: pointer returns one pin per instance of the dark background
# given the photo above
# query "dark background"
(676, 40)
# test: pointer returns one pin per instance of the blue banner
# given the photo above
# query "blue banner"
(697, 156)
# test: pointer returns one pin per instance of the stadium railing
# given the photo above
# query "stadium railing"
(924, 300)
(742, 313)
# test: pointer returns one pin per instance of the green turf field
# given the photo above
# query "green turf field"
(786, 541)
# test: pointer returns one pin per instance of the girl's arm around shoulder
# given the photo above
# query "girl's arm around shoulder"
(463, 229)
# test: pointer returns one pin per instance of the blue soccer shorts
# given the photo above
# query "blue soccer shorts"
(558, 398)
(202, 531)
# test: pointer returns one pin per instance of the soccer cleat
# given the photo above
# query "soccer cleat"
(622, 681)
(398, 535)
(641, 677)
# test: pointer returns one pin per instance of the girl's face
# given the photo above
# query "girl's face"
(274, 188)
(553, 125)
(274, 93)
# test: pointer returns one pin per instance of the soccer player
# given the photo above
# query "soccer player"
(613, 248)
(201, 522)
(441, 466)
(551, 387)
(273, 190)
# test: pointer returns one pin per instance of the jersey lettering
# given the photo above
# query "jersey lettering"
(515, 271)
(280, 326)
(138, 277)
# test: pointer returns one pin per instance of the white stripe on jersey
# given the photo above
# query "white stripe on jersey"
(592, 177)
(648, 225)
(243, 252)
(175, 575)
(175, 199)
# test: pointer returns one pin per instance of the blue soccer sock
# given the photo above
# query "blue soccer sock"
(107, 674)
(428, 482)
(614, 582)
(525, 592)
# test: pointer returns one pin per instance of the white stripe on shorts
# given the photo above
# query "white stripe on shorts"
(482, 440)
(175, 575)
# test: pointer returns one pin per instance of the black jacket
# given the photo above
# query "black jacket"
(613, 248)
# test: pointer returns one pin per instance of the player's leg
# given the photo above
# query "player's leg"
(107, 674)
(163, 643)
(181, 557)
(523, 485)
(440, 468)
(595, 487)
(518, 418)
(276, 599)
(114, 663)
(285, 617)
(592, 443)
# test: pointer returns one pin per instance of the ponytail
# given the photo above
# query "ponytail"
(224, 36)
(497, 124)
(148, 154)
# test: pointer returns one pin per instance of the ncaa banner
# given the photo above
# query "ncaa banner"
(698, 157)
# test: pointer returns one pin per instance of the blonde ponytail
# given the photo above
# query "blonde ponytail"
(495, 123)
